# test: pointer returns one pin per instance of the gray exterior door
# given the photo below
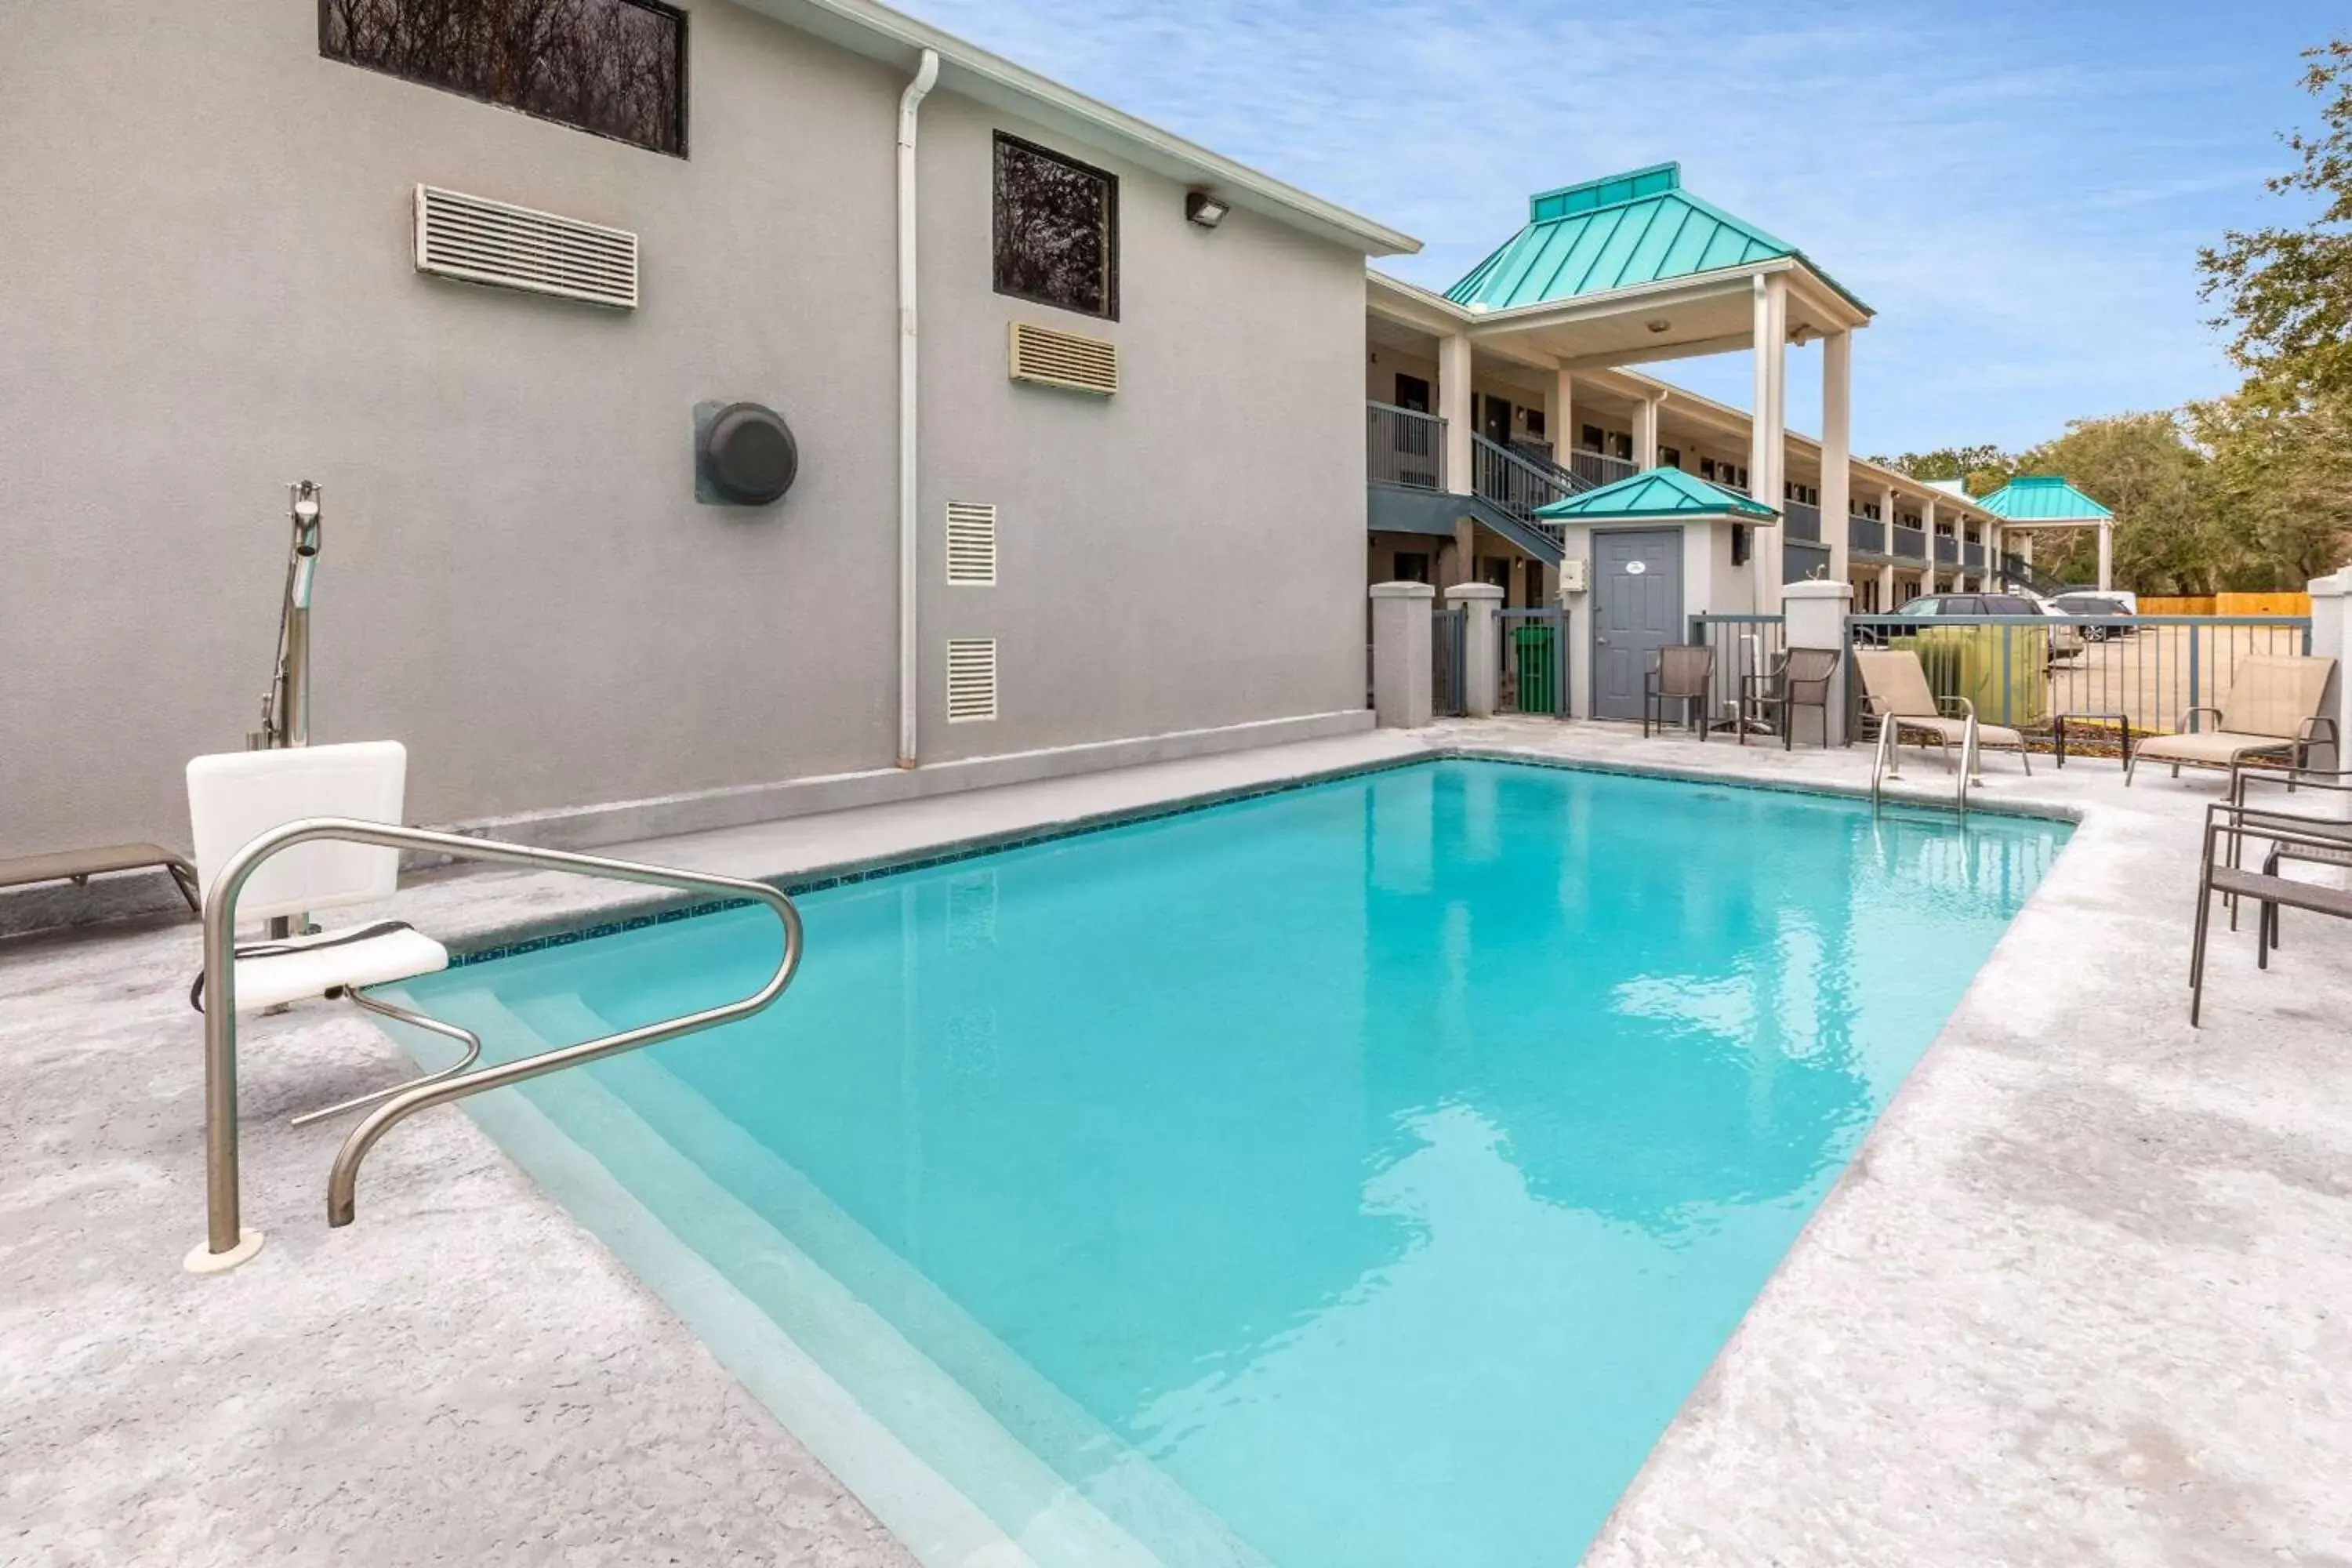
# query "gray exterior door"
(1637, 609)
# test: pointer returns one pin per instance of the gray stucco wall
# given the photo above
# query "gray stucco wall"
(208, 292)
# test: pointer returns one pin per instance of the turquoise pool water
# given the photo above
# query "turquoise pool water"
(1360, 1175)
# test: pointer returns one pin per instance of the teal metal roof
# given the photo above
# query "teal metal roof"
(1615, 233)
(1664, 494)
(2044, 497)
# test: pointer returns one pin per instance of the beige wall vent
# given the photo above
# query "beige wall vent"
(483, 241)
(971, 545)
(1063, 359)
(972, 680)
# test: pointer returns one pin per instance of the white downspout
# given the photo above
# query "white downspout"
(910, 530)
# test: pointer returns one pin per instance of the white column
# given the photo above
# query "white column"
(1401, 662)
(1645, 433)
(1559, 418)
(1768, 432)
(2106, 556)
(1927, 532)
(1837, 447)
(1454, 407)
(1817, 613)
(2331, 638)
(1481, 646)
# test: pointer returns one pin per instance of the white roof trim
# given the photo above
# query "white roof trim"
(879, 33)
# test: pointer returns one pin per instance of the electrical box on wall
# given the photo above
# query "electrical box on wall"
(1572, 574)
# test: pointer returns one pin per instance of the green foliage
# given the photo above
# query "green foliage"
(2288, 292)
(1986, 467)
(2279, 481)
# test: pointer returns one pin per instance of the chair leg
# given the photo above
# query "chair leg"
(2197, 951)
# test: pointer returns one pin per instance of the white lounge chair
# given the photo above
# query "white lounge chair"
(236, 796)
(2272, 710)
(1895, 691)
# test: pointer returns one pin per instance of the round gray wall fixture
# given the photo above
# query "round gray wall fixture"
(747, 455)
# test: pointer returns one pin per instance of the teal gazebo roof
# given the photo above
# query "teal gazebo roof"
(2044, 497)
(1617, 233)
(1660, 495)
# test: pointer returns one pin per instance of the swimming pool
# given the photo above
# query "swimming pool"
(1360, 1175)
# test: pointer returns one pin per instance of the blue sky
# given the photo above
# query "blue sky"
(2019, 190)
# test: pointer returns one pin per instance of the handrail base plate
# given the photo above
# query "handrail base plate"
(201, 1259)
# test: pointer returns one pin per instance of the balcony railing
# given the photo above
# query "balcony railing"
(1865, 535)
(1405, 446)
(1973, 553)
(1910, 544)
(1601, 468)
(1802, 520)
(1948, 550)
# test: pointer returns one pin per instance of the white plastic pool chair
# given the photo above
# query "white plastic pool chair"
(235, 798)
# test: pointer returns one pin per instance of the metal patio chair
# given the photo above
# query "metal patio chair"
(2272, 710)
(1895, 692)
(1685, 673)
(1800, 679)
(2309, 837)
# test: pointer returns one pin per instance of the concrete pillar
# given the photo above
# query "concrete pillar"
(1768, 431)
(1816, 612)
(1401, 669)
(1837, 447)
(1559, 417)
(1645, 433)
(1928, 531)
(1454, 407)
(2106, 556)
(2331, 638)
(1481, 646)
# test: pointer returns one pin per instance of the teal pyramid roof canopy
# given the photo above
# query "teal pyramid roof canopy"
(1614, 233)
(1666, 495)
(2044, 497)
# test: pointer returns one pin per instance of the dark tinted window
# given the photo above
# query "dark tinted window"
(1056, 229)
(2009, 605)
(1920, 607)
(613, 66)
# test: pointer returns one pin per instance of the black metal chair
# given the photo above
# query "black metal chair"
(1685, 673)
(1800, 679)
(2290, 836)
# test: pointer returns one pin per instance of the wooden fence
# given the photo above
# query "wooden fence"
(2228, 605)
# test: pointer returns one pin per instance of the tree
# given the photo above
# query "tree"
(2288, 292)
(1984, 467)
(2280, 482)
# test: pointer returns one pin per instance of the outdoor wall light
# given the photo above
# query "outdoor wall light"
(1660, 325)
(1204, 209)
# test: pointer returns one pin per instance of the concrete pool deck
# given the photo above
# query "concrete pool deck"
(2082, 1297)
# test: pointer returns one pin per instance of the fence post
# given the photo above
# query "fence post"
(1814, 614)
(2196, 646)
(1482, 652)
(1401, 654)
(2329, 635)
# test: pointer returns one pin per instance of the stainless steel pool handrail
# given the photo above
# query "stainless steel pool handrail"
(225, 1235)
(1886, 757)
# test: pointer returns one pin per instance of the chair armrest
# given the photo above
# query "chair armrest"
(2307, 732)
(1967, 710)
(2187, 728)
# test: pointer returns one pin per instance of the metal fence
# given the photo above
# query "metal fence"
(1405, 446)
(1534, 677)
(1515, 484)
(2027, 672)
(1743, 645)
(1601, 468)
(1448, 630)
(1801, 519)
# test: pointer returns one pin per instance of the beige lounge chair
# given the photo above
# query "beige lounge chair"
(2272, 710)
(1895, 689)
(79, 866)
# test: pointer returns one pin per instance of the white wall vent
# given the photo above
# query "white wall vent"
(483, 241)
(972, 680)
(1063, 359)
(971, 545)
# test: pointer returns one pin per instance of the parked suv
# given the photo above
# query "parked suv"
(2065, 638)
(2092, 606)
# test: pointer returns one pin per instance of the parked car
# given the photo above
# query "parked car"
(2065, 638)
(2090, 606)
